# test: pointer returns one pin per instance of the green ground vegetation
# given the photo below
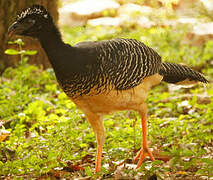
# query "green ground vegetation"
(49, 137)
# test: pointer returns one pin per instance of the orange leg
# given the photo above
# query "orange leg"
(98, 128)
(144, 151)
(98, 159)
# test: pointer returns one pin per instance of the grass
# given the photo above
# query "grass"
(47, 137)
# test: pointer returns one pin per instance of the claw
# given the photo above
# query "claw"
(142, 154)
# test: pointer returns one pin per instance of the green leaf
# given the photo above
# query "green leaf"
(30, 52)
(11, 52)
(17, 41)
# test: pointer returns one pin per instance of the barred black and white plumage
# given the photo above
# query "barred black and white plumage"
(119, 64)
(122, 64)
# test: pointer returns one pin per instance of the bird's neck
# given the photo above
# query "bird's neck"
(52, 43)
(59, 54)
(50, 39)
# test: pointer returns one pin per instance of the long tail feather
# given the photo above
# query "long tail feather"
(180, 74)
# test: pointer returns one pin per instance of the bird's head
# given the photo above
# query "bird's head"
(31, 22)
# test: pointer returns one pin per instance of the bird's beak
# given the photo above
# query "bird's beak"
(15, 28)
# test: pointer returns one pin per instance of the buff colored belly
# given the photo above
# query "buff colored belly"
(106, 103)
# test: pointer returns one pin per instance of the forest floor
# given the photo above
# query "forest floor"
(44, 136)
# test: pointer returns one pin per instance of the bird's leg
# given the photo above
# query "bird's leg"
(98, 158)
(100, 137)
(144, 151)
(98, 127)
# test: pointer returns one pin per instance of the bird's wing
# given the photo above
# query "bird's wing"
(118, 64)
(126, 62)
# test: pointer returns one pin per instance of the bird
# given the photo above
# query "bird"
(102, 77)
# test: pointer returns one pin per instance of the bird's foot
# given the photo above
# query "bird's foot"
(144, 151)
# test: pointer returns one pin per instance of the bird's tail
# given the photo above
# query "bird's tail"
(180, 74)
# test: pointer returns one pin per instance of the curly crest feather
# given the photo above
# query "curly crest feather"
(35, 9)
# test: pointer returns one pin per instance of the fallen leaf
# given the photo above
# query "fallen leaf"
(3, 134)
(181, 172)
